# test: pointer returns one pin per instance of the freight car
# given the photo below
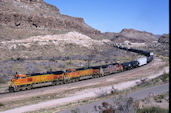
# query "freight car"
(142, 52)
(130, 65)
(126, 65)
(142, 61)
(150, 57)
(134, 64)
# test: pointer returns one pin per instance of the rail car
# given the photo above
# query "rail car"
(142, 61)
(130, 65)
(29, 81)
(142, 52)
(150, 58)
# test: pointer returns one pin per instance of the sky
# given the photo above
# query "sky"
(114, 15)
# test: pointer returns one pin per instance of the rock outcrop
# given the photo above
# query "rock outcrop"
(26, 14)
(137, 36)
(133, 36)
(65, 22)
(24, 18)
(164, 39)
(36, 37)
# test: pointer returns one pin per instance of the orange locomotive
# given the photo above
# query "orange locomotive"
(28, 81)
(78, 74)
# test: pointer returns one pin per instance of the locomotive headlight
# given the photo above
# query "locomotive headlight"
(10, 83)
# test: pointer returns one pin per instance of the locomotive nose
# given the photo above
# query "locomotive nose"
(10, 83)
(12, 80)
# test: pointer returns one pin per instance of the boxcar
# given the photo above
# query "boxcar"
(134, 64)
(149, 59)
(126, 65)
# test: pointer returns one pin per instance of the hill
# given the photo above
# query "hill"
(36, 37)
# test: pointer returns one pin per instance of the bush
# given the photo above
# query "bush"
(1, 104)
(164, 77)
(85, 101)
(152, 110)
(2, 80)
(161, 96)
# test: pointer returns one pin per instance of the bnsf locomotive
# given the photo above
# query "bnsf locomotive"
(29, 81)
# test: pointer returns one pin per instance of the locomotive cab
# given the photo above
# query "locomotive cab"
(14, 81)
(70, 70)
(18, 76)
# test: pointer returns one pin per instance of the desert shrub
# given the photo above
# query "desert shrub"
(61, 65)
(20, 59)
(152, 110)
(37, 97)
(164, 77)
(30, 67)
(85, 101)
(52, 59)
(69, 63)
(1, 104)
(2, 80)
(161, 96)
(120, 105)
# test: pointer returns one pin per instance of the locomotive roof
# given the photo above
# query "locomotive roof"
(95, 67)
(82, 68)
(77, 69)
(147, 53)
(53, 72)
(126, 63)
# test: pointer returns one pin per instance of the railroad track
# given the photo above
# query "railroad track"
(136, 73)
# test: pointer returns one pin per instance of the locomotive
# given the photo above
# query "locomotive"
(28, 81)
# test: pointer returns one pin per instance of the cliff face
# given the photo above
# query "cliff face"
(36, 14)
(36, 21)
(24, 18)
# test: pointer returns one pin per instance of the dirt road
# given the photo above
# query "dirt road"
(137, 95)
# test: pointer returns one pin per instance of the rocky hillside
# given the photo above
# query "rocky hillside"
(56, 52)
(160, 47)
(133, 35)
(164, 39)
(36, 37)
(24, 18)
(27, 15)
(69, 44)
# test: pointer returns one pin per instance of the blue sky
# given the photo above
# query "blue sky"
(114, 15)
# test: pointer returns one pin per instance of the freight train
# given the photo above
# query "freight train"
(28, 81)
